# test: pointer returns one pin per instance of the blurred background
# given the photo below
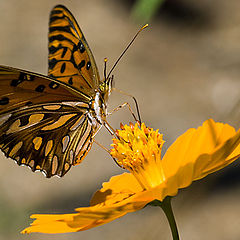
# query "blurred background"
(183, 69)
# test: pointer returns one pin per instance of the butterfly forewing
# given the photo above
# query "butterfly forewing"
(70, 58)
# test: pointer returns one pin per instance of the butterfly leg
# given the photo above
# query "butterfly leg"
(110, 129)
(108, 151)
(100, 145)
(135, 101)
(121, 106)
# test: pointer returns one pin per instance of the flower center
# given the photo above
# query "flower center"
(139, 151)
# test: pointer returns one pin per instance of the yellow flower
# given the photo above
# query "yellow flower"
(195, 154)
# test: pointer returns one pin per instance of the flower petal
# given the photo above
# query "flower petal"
(118, 188)
(115, 199)
(199, 152)
(86, 218)
(51, 223)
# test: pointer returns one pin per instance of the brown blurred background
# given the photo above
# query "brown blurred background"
(183, 69)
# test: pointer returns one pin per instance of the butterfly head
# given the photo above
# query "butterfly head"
(106, 88)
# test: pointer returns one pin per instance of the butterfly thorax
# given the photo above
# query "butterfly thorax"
(99, 104)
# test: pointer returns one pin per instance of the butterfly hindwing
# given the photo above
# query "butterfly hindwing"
(70, 58)
(47, 137)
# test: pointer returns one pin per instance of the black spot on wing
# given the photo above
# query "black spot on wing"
(40, 88)
(81, 64)
(88, 65)
(81, 47)
(24, 121)
(53, 49)
(70, 81)
(28, 103)
(15, 82)
(63, 67)
(64, 52)
(4, 101)
(21, 78)
(53, 85)
(52, 63)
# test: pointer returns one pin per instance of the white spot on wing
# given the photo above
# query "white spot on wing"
(83, 139)
(54, 164)
(71, 156)
(31, 164)
(4, 118)
(77, 123)
(65, 141)
(48, 147)
(76, 104)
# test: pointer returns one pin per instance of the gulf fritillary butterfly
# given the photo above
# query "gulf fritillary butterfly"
(48, 123)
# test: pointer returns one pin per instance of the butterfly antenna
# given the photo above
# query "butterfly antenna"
(105, 69)
(146, 25)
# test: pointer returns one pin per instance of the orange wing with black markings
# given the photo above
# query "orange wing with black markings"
(70, 58)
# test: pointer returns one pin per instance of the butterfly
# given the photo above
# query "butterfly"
(48, 122)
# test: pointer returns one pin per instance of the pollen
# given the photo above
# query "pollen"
(138, 149)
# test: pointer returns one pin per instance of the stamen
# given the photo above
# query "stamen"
(138, 150)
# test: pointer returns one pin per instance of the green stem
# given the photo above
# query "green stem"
(167, 208)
